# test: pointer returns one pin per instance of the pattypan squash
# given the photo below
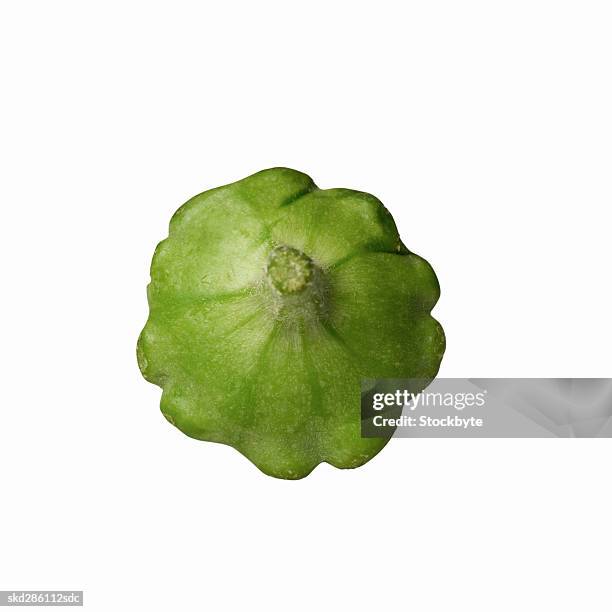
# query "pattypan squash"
(270, 300)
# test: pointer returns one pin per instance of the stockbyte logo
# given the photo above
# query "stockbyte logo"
(402, 398)
(487, 408)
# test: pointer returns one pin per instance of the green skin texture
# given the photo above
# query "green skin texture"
(270, 300)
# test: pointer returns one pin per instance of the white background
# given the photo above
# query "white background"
(486, 129)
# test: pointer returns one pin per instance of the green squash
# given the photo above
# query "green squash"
(270, 301)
